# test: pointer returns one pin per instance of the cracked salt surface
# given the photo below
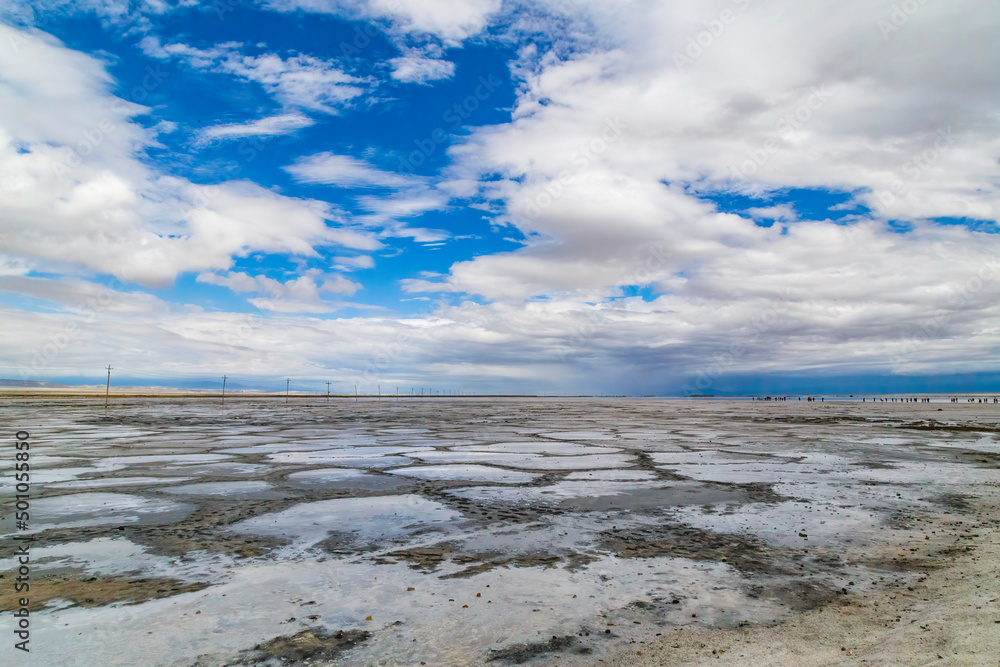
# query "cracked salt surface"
(511, 607)
(535, 553)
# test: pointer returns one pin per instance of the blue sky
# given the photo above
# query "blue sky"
(577, 197)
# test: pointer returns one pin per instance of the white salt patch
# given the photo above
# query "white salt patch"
(222, 469)
(468, 456)
(564, 448)
(907, 472)
(331, 455)
(346, 593)
(474, 473)
(380, 517)
(48, 476)
(117, 481)
(290, 446)
(548, 494)
(612, 475)
(577, 462)
(579, 435)
(220, 488)
(324, 475)
(120, 462)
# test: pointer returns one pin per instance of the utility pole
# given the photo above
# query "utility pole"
(355, 392)
(107, 389)
(327, 392)
(397, 394)
(379, 392)
(287, 382)
(224, 377)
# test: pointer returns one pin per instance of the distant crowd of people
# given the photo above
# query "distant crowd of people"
(785, 398)
(954, 399)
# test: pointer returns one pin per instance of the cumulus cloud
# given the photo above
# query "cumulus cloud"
(629, 122)
(615, 152)
(304, 288)
(78, 194)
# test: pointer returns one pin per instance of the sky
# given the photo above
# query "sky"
(493, 196)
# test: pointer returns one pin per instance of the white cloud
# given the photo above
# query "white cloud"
(354, 263)
(77, 193)
(345, 172)
(299, 81)
(304, 288)
(279, 125)
(449, 20)
(781, 212)
(618, 133)
(412, 196)
(419, 69)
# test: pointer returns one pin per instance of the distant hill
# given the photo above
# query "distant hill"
(33, 383)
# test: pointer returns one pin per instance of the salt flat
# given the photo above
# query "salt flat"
(475, 531)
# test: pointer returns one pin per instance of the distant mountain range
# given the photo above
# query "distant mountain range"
(33, 383)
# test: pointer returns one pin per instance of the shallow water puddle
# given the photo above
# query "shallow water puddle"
(98, 509)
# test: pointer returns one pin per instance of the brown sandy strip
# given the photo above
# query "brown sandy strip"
(91, 591)
(949, 616)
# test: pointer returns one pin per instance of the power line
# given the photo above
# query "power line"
(327, 392)
(107, 389)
